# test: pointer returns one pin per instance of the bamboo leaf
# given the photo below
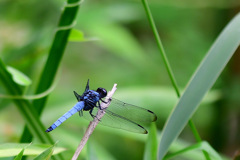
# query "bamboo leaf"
(200, 83)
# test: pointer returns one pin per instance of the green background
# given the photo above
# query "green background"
(120, 48)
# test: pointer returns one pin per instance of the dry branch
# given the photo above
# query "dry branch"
(92, 125)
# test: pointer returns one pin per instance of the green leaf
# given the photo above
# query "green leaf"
(25, 108)
(78, 36)
(36, 96)
(46, 154)
(13, 149)
(53, 61)
(19, 156)
(203, 79)
(19, 77)
(152, 144)
(199, 146)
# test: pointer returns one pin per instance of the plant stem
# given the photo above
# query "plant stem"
(168, 67)
(197, 137)
(32, 120)
(196, 146)
(160, 46)
(56, 52)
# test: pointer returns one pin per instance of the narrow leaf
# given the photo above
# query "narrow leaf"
(45, 155)
(13, 149)
(19, 156)
(25, 108)
(54, 58)
(198, 146)
(203, 79)
(78, 36)
(19, 77)
(152, 144)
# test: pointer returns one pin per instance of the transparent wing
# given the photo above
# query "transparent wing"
(132, 112)
(125, 116)
(113, 120)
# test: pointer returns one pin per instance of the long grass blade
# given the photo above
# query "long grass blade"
(160, 46)
(29, 114)
(13, 149)
(202, 80)
(151, 146)
(46, 155)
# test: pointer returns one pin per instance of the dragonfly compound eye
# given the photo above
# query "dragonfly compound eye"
(102, 92)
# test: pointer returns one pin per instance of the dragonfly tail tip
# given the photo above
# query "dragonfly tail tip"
(49, 129)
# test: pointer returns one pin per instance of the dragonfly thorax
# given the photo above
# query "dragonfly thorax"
(90, 99)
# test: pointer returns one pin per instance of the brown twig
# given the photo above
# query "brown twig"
(92, 125)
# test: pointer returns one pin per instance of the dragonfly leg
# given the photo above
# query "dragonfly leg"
(90, 112)
(80, 113)
(103, 101)
(110, 99)
(93, 116)
(99, 106)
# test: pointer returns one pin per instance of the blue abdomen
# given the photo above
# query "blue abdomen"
(78, 107)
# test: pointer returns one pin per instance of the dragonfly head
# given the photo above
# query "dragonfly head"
(102, 92)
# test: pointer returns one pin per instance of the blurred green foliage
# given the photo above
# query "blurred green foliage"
(125, 53)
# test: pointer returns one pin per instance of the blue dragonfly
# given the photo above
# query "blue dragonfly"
(118, 115)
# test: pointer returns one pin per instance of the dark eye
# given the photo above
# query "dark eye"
(102, 92)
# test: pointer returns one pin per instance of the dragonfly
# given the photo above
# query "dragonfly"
(118, 115)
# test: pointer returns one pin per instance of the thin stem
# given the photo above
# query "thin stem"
(30, 97)
(92, 125)
(168, 67)
(160, 46)
(192, 147)
(197, 137)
